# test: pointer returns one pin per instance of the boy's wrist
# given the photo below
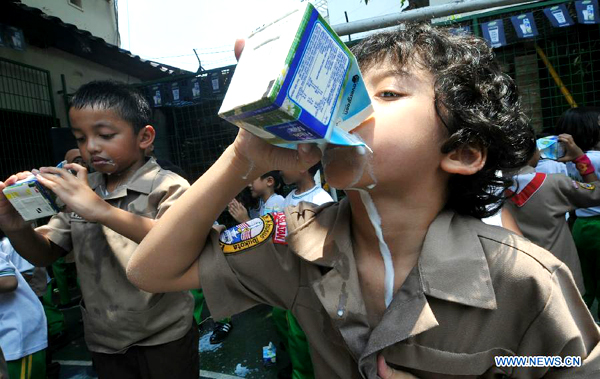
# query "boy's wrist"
(102, 213)
(242, 166)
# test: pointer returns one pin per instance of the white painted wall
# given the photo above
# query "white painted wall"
(95, 16)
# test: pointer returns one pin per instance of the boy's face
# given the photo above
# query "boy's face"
(405, 134)
(258, 187)
(106, 141)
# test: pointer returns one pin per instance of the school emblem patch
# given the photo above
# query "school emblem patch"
(586, 186)
(247, 235)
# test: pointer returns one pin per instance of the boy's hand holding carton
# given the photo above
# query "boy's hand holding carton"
(28, 197)
(297, 83)
(10, 219)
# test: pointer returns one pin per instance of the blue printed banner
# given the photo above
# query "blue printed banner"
(461, 30)
(493, 32)
(587, 11)
(559, 16)
(524, 25)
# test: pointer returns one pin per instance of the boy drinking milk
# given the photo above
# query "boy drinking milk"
(131, 333)
(457, 293)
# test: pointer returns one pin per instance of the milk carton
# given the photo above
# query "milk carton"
(550, 147)
(31, 199)
(297, 82)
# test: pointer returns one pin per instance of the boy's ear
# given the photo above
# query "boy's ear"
(146, 137)
(270, 181)
(464, 160)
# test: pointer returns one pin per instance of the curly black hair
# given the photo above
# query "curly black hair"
(478, 103)
(120, 97)
(583, 124)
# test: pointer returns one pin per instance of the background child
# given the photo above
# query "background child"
(129, 332)
(263, 188)
(459, 293)
(306, 189)
(23, 332)
(539, 203)
(582, 124)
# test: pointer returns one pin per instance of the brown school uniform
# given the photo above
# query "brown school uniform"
(116, 314)
(540, 207)
(477, 292)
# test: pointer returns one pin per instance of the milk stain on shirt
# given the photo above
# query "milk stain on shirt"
(386, 255)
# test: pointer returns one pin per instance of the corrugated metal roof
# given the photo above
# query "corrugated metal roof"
(43, 30)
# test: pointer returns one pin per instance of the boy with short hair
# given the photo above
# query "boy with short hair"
(306, 188)
(130, 333)
(264, 189)
(463, 293)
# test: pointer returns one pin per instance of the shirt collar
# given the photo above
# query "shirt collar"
(297, 195)
(526, 170)
(452, 265)
(141, 181)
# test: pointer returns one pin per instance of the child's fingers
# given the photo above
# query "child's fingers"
(308, 156)
(238, 47)
(80, 170)
(386, 372)
(56, 171)
(49, 181)
(16, 177)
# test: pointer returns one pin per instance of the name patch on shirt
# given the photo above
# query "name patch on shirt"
(247, 235)
(76, 217)
(280, 228)
(586, 186)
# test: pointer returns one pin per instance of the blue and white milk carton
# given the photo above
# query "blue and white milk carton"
(297, 82)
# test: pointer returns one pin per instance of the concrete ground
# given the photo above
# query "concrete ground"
(239, 356)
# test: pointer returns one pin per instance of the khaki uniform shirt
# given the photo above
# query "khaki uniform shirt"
(540, 214)
(116, 314)
(477, 292)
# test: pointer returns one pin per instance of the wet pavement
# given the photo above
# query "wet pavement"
(239, 356)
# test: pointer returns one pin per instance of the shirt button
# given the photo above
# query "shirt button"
(340, 312)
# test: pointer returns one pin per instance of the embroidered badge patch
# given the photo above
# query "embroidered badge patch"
(75, 216)
(586, 186)
(247, 235)
(280, 228)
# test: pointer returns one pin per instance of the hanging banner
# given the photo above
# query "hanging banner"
(175, 94)
(461, 30)
(558, 16)
(156, 95)
(15, 38)
(587, 11)
(493, 32)
(524, 25)
(195, 86)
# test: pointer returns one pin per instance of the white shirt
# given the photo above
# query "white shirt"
(23, 329)
(315, 195)
(549, 166)
(273, 204)
(11, 255)
(573, 173)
